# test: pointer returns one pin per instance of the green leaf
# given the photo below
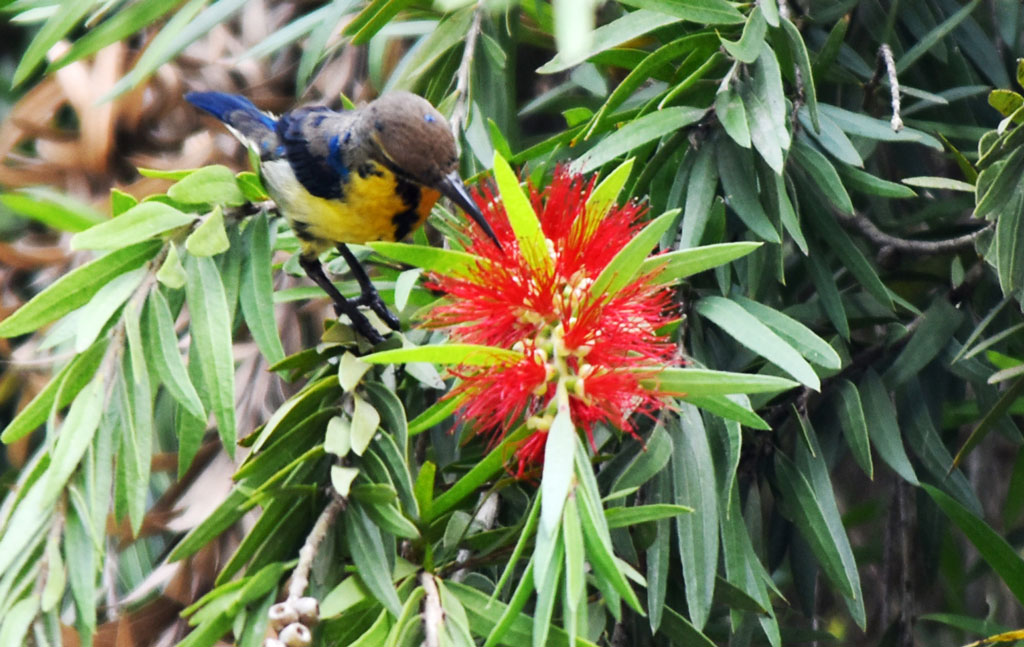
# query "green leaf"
(938, 325)
(137, 420)
(59, 24)
(617, 32)
(118, 26)
(177, 34)
(709, 12)
(693, 474)
(622, 517)
(75, 288)
(803, 63)
(687, 262)
(930, 182)
(53, 209)
(883, 427)
(700, 194)
(858, 180)
(462, 354)
(434, 259)
(932, 38)
(521, 216)
(726, 407)
(804, 507)
(365, 422)
(810, 460)
(209, 238)
(57, 394)
(750, 332)
(211, 334)
(367, 549)
(733, 116)
(637, 133)
(747, 49)
(141, 222)
(91, 319)
(76, 435)
(554, 485)
(797, 335)
(862, 125)
(18, 619)
(765, 101)
(832, 138)
(626, 264)
(162, 342)
(172, 272)
(994, 549)
(605, 194)
(736, 168)
(256, 293)
(823, 175)
(1006, 102)
(855, 429)
(701, 382)
(575, 595)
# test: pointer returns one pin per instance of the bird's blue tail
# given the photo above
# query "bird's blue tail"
(248, 122)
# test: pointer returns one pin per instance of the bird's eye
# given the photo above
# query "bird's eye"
(428, 118)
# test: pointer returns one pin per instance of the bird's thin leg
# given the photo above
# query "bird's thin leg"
(370, 296)
(342, 305)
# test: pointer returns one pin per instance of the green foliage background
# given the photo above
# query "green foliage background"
(880, 501)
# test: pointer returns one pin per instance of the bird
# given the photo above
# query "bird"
(352, 176)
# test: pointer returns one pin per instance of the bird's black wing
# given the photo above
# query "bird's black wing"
(314, 139)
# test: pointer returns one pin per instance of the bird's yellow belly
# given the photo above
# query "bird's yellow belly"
(370, 209)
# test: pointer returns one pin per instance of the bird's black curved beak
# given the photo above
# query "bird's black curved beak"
(451, 186)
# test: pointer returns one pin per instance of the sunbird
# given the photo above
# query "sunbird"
(372, 173)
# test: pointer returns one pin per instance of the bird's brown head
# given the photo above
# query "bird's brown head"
(416, 141)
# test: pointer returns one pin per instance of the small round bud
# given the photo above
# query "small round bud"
(308, 609)
(296, 635)
(282, 614)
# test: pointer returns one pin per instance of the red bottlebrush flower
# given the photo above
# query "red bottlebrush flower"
(600, 345)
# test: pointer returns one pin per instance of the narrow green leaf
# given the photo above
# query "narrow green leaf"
(137, 420)
(750, 332)
(930, 182)
(172, 272)
(797, 335)
(17, 621)
(804, 507)
(256, 293)
(554, 485)
(858, 180)
(367, 549)
(803, 63)
(994, 549)
(831, 138)
(748, 47)
(693, 476)
(605, 194)
(575, 599)
(622, 517)
(463, 354)
(725, 407)
(733, 116)
(736, 169)
(709, 12)
(75, 288)
(93, 316)
(57, 26)
(862, 125)
(162, 343)
(76, 435)
(823, 175)
(211, 334)
(521, 215)
(625, 265)
(883, 427)
(119, 26)
(855, 429)
(637, 133)
(53, 209)
(434, 259)
(939, 323)
(700, 382)
(687, 262)
(700, 194)
(932, 38)
(57, 394)
(141, 222)
(621, 30)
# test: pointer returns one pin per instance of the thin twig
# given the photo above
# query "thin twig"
(885, 59)
(300, 576)
(460, 113)
(433, 614)
(863, 225)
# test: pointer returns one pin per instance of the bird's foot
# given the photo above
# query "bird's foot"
(360, 323)
(372, 300)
